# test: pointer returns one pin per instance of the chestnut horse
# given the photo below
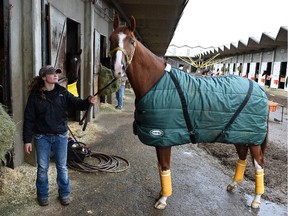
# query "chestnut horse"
(144, 70)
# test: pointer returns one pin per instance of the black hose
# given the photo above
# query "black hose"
(78, 151)
(104, 163)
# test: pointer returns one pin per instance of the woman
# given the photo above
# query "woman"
(46, 118)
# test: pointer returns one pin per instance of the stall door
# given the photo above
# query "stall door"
(5, 76)
(57, 29)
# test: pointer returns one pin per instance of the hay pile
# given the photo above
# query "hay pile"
(17, 186)
(7, 132)
(89, 136)
(105, 76)
(106, 107)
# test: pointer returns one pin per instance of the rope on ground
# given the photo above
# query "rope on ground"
(104, 163)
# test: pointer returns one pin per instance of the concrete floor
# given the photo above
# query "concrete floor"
(199, 183)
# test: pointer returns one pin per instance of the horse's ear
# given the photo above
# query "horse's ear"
(132, 24)
(116, 22)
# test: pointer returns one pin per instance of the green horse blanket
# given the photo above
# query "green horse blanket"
(211, 102)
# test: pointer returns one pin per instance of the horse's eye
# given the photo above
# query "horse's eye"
(75, 59)
(132, 42)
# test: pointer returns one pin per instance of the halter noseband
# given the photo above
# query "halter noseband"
(128, 61)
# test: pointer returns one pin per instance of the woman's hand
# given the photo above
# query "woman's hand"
(92, 99)
(28, 148)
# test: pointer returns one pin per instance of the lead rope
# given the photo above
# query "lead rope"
(106, 163)
(87, 113)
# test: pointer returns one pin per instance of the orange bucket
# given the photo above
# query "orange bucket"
(272, 106)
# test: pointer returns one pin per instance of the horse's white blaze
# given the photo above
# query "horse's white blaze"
(118, 66)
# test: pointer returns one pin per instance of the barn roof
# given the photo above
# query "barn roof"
(156, 21)
(267, 41)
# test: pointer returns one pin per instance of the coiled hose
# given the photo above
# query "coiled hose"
(104, 163)
(78, 151)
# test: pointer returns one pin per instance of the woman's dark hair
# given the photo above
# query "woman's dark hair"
(37, 85)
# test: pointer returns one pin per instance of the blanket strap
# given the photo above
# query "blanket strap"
(243, 104)
(184, 107)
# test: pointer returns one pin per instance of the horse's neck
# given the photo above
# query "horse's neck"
(72, 79)
(145, 70)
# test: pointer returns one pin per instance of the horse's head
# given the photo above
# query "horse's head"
(73, 66)
(122, 45)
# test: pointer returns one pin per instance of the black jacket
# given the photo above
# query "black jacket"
(49, 115)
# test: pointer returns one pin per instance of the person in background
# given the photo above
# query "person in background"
(218, 73)
(46, 119)
(120, 93)
(267, 77)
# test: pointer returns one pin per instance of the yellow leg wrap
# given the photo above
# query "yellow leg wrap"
(259, 182)
(166, 183)
(239, 171)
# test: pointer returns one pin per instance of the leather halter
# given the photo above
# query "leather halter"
(128, 61)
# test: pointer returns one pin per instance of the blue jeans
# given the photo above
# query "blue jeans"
(43, 144)
(119, 96)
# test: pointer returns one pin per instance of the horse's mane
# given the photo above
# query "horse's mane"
(145, 52)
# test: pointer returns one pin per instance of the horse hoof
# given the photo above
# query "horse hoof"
(255, 205)
(231, 187)
(160, 205)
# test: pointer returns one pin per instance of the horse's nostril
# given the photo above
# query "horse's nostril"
(119, 73)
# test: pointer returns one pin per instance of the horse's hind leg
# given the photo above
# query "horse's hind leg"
(242, 151)
(163, 156)
(258, 161)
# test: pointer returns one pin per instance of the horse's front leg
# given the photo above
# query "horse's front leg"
(258, 161)
(163, 156)
(242, 151)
